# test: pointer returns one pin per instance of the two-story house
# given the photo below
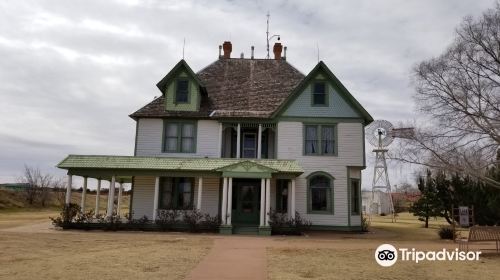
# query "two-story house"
(240, 138)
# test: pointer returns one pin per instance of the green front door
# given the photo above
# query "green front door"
(246, 202)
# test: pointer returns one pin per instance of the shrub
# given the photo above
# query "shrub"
(365, 225)
(167, 218)
(446, 232)
(211, 223)
(82, 218)
(281, 224)
(193, 219)
(383, 214)
(67, 215)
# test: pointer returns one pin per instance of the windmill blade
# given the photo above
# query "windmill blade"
(403, 132)
(379, 130)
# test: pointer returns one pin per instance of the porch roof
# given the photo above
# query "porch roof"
(103, 166)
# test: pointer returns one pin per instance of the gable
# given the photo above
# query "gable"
(247, 169)
(339, 102)
(181, 75)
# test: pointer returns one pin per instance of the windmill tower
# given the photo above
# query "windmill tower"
(380, 134)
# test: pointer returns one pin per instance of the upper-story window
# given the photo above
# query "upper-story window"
(182, 91)
(319, 140)
(180, 137)
(319, 94)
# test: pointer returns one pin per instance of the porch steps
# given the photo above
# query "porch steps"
(246, 230)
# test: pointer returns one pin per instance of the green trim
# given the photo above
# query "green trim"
(180, 124)
(336, 82)
(327, 93)
(136, 135)
(108, 172)
(162, 85)
(177, 80)
(265, 230)
(331, 211)
(319, 134)
(236, 174)
(358, 213)
(325, 120)
(348, 196)
(364, 149)
(226, 229)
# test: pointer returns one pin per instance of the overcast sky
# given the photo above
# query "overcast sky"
(72, 71)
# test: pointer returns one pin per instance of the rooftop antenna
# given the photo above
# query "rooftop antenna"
(183, 46)
(317, 50)
(267, 34)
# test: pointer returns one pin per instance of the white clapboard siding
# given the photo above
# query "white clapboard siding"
(350, 153)
(150, 133)
(143, 196)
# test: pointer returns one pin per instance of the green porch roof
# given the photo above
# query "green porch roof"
(119, 164)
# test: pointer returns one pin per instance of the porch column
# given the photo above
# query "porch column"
(84, 194)
(289, 190)
(262, 201)
(119, 204)
(224, 201)
(220, 139)
(68, 189)
(156, 198)
(268, 200)
(200, 191)
(292, 205)
(98, 192)
(238, 141)
(229, 200)
(259, 142)
(111, 197)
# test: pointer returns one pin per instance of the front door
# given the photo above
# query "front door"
(246, 202)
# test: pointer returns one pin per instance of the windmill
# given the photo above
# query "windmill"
(380, 134)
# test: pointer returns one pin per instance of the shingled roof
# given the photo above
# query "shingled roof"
(240, 88)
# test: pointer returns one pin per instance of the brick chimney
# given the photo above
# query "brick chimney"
(277, 50)
(227, 47)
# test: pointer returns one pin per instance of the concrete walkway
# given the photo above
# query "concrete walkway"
(234, 257)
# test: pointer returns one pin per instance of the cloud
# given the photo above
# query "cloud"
(72, 71)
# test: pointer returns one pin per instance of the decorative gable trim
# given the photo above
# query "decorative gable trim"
(322, 68)
(181, 65)
(247, 169)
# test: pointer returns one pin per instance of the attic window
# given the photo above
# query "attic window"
(319, 95)
(182, 91)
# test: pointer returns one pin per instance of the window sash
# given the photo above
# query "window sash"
(179, 137)
(182, 91)
(319, 139)
(320, 194)
(319, 93)
(176, 193)
(355, 193)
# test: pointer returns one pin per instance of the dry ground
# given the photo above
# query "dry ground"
(351, 256)
(30, 250)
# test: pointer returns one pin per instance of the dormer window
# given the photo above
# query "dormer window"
(319, 94)
(182, 91)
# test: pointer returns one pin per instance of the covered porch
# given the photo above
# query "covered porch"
(238, 190)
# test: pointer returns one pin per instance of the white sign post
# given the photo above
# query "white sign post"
(463, 212)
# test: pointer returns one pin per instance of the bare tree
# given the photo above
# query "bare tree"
(38, 185)
(460, 92)
(59, 189)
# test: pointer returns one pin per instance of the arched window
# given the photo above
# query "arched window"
(320, 193)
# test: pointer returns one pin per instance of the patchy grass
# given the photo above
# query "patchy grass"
(329, 263)
(99, 255)
(15, 218)
(408, 228)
